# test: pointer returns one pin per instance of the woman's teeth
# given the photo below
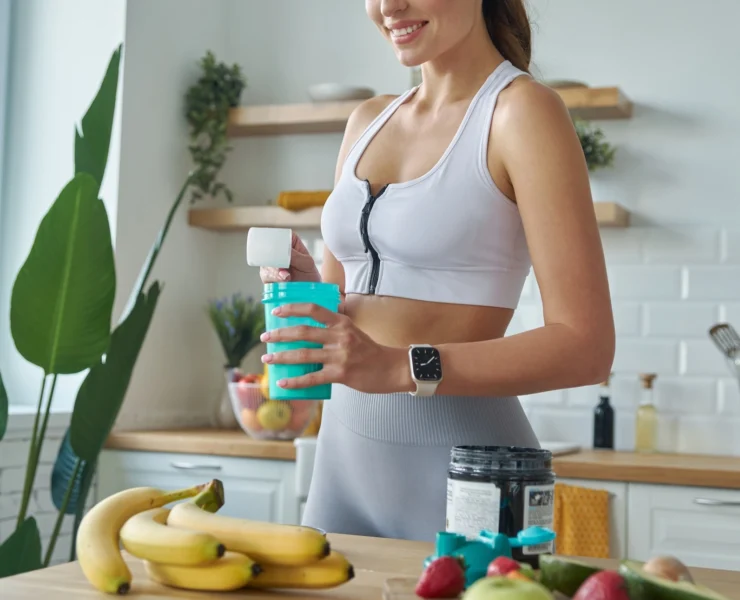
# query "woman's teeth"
(406, 30)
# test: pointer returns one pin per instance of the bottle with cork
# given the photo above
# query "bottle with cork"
(646, 423)
(604, 419)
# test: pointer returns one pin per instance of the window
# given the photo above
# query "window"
(4, 59)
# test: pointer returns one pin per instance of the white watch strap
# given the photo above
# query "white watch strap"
(425, 388)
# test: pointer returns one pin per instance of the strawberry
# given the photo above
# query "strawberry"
(502, 565)
(443, 578)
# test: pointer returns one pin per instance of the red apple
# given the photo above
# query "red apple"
(501, 565)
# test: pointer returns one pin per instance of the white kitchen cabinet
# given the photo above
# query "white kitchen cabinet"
(700, 526)
(259, 489)
(618, 533)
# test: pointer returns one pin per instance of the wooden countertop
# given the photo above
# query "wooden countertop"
(374, 559)
(231, 442)
(671, 469)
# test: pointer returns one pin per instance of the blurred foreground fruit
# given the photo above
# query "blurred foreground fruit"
(668, 567)
(605, 585)
(444, 577)
(501, 565)
(231, 572)
(564, 575)
(505, 588)
(646, 586)
(97, 544)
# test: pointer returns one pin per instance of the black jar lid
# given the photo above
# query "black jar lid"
(500, 459)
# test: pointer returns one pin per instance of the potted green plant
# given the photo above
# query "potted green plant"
(61, 312)
(598, 151)
(238, 323)
(207, 105)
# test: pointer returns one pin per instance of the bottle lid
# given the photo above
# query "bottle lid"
(269, 247)
(647, 380)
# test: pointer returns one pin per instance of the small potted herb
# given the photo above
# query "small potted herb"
(599, 153)
(207, 105)
(238, 323)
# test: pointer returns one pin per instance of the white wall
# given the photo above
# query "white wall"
(179, 373)
(59, 53)
(677, 271)
(178, 369)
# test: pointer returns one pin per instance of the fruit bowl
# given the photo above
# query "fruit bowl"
(265, 419)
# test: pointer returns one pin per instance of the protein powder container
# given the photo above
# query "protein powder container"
(503, 489)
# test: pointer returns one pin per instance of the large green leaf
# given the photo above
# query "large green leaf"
(62, 472)
(101, 394)
(92, 145)
(3, 408)
(62, 299)
(21, 552)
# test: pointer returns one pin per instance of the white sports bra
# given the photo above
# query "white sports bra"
(448, 236)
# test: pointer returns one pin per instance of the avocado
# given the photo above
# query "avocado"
(644, 586)
(564, 575)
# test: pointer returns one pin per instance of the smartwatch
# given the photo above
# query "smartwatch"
(426, 369)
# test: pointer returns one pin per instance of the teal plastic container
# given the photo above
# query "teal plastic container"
(279, 294)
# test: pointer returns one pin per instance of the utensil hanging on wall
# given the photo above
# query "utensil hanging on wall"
(727, 341)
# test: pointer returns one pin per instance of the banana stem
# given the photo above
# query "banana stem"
(62, 511)
(31, 467)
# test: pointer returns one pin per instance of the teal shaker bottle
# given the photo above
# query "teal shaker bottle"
(279, 294)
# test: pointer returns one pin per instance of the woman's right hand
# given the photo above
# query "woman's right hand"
(302, 266)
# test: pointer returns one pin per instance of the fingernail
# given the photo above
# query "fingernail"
(277, 311)
(282, 382)
(266, 358)
(284, 275)
(264, 337)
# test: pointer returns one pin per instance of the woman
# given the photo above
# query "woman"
(444, 197)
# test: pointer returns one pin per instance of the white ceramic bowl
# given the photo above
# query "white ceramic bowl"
(336, 92)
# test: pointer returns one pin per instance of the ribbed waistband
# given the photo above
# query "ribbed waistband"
(432, 421)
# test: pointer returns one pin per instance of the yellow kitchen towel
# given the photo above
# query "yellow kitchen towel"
(298, 199)
(581, 521)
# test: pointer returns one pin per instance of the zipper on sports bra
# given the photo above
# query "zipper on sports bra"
(375, 270)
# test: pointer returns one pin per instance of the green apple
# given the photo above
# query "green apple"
(504, 588)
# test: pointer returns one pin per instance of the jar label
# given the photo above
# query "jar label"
(539, 502)
(471, 507)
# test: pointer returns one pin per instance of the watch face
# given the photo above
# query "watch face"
(427, 364)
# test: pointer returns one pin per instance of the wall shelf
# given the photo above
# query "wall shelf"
(331, 117)
(241, 218)
(595, 103)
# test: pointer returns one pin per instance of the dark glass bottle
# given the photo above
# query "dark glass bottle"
(604, 420)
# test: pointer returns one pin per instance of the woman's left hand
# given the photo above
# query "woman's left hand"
(348, 355)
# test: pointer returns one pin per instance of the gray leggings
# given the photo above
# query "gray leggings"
(381, 459)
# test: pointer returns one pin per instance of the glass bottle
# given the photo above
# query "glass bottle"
(646, 425)
(604, 419)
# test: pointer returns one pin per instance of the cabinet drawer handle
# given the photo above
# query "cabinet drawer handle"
(711, 502)
(192, 467)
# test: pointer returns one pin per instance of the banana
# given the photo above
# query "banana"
(329, 572)
(231, 572)
(97, 542)
(266, 543)
(146, 536)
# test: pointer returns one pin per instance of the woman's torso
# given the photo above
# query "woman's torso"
(439, 257)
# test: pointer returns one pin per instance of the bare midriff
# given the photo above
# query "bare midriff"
(400, 321)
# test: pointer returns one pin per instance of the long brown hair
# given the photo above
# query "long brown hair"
(508, 25)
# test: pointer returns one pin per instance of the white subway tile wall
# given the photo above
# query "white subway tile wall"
(13, 458)
(669, 285)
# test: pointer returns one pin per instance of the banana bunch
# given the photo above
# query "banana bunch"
(191, 547)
